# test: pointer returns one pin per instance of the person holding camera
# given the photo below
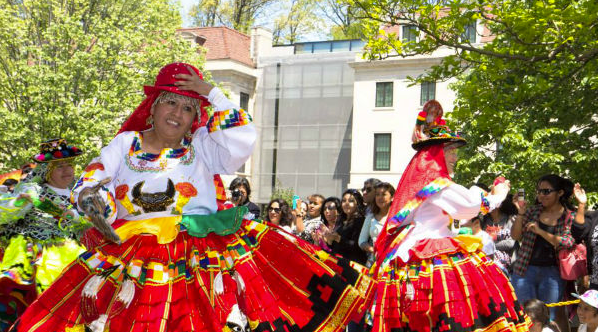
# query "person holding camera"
(240, 193)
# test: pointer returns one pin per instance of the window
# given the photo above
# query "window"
(469, 35)
(384, 94)
(382, 152)
(428, 92)
(244, 101)
(410, 33)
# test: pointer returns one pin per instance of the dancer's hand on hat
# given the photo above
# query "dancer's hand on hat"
(193, 83)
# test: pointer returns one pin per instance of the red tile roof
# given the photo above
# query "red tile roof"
(224, 43)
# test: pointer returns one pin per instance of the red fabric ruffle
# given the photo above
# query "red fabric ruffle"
(311, 291)
(457, 291)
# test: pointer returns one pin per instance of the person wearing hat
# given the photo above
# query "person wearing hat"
(587, 311)
(428, 279)
(38, 227)
(163, 257)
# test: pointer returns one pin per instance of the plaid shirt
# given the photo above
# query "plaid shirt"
(563, 229)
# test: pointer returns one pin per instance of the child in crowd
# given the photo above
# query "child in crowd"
(540, 315)
(588, 311)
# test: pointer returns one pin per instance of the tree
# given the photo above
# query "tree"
(205, 13)
(237, 14)
(345, 25)
(526, 97)
(297, 20)
(75, 69)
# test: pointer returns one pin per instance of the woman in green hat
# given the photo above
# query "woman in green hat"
(38, 226)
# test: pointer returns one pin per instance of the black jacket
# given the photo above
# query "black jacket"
(585, 233)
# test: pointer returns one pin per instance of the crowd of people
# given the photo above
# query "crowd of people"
(148, 239)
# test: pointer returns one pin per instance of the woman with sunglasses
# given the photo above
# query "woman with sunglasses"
(279, 213)
(543, 229)
(429, 279)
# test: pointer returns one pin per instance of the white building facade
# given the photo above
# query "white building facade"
(327, 120)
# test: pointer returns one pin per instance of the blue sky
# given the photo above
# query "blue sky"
(185, 7)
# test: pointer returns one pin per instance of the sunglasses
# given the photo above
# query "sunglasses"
(275, 210)
(330, 207)
(545, 191)
(366, 189)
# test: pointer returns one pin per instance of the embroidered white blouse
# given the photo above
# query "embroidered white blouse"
(176, 181)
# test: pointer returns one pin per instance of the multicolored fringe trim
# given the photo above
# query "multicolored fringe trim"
(228, 119)
(485, 206)
(427, 191)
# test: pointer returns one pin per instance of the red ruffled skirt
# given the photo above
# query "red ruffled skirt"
(447, 285)
(278, 282)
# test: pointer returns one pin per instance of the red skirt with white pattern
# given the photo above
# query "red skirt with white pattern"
(258, 275)
(448, 285)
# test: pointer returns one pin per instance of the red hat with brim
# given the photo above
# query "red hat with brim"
(165, 81)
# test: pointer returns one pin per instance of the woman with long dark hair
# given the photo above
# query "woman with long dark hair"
(279, 213)
(344, 240)
(374, 221)
(543, 229)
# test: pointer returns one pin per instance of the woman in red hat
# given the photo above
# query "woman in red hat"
(38, 228)
(166, 259)
(428, 279)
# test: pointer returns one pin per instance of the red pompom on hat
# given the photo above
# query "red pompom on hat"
(165, 82)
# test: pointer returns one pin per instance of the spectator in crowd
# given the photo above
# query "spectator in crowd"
(541, 228)
(375, 221)
(240, 194)
(330, 213)
(279, 213)
(10, 184)
(539, 314)
(475, 224)
(585, 229)
(498, 225)
(344, 240)
(313, 221)
(588, 311)
(369, 194)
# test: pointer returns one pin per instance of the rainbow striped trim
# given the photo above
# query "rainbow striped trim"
(421, 118)
(228, 119)
(427, 191)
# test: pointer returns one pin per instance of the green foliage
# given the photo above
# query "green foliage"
(75, 69)
(343, 16)
(283, 193)
(526, 97)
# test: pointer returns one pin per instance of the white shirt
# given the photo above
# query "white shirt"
(221, 151)
(371, 229)
(488, 246)
(582, 328)
(433, 216)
